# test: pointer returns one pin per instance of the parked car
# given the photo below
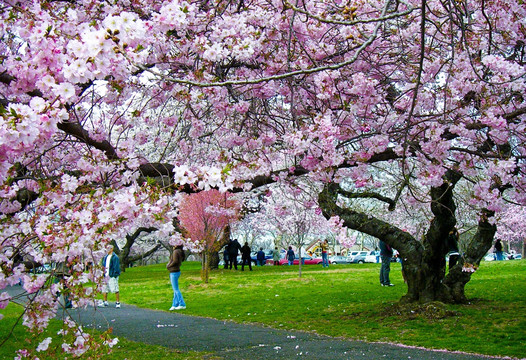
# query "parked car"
(372, 257)
(339, 259)
(359, 258)
(307, 260)
(352, 254)
(361, 253)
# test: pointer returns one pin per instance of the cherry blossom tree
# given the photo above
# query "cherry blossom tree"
(511, 227)
(110, 111)
(204, 217)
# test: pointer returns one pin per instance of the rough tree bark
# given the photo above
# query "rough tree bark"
(213, 258)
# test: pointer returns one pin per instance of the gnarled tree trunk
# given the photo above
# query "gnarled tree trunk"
(213, 256)
(424, 263)
(124, 253)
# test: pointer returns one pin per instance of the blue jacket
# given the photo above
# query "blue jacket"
(260, 255)
(115, 265)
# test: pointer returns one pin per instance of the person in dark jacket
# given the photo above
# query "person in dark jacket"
(260, 257)
(245, 257)
(233, 252)
(290, 255)
(112, 269)
(225, 255)
(386, 253)
(174, 267)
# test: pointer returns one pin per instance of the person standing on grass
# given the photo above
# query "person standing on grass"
(111, 266)
(275, 256)
(324, 253)
(386, 253)
(290, 255)
(245, 257)
(260, 257)
(233, 251)
(174, 267)
(498, 250)
(225, 254)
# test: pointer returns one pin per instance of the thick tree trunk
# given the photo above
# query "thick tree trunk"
(213, 254)
(427, 277)
(479, 245)
(424, 263)
(213, 260)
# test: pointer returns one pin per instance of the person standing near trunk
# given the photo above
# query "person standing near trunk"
(174, 267)
(386, 253)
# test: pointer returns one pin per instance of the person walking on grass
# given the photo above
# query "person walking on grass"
(386, 253)
(174, 267)
(111, 266)
(245, 257)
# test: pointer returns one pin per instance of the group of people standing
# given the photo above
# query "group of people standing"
(231, 252)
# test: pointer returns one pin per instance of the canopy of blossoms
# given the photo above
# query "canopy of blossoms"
(110, 110)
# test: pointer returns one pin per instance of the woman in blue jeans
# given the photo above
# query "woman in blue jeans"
(324, 253)
(174, 267)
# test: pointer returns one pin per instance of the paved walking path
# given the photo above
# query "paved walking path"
(229, 340)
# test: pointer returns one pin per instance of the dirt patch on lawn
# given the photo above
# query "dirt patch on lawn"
(432, 311)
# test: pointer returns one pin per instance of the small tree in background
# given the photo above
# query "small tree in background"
(204, 218)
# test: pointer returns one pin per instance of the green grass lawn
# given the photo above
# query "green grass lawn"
(347, 301)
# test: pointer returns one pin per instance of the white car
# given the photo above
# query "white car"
(373, 257)
(353, 254)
